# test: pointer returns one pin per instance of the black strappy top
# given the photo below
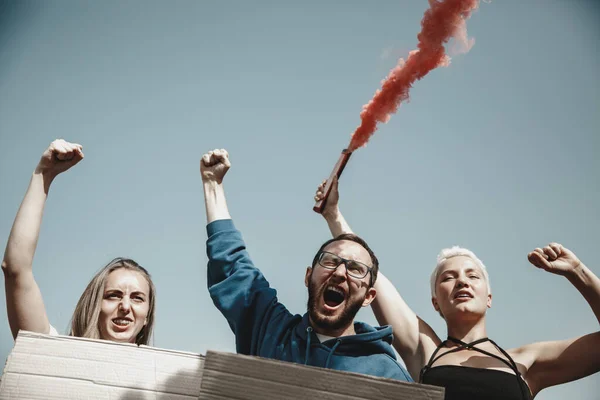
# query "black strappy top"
(468, 383)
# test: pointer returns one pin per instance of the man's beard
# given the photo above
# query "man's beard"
(331, 323)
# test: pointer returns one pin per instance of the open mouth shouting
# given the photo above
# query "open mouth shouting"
(331, 306)
(121, 323)
(333, 297)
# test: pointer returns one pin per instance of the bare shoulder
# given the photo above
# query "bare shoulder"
(524, 356)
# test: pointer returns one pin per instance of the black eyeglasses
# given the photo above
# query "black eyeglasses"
(355, 269)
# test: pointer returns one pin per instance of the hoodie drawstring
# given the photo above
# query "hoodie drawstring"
(337, 343)
(308, 335)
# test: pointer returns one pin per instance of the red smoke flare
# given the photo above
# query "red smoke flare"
(445, 19)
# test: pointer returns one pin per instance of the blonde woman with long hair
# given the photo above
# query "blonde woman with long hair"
(118, 303)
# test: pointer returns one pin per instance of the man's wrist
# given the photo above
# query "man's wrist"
(211, 184)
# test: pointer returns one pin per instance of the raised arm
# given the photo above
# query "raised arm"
(553, 363)
(238, 289)
(213, 167)
(414, 339)
(25, 307)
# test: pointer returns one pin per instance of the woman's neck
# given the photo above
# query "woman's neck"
(467, 330)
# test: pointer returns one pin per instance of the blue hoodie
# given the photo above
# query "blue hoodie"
(264, 327)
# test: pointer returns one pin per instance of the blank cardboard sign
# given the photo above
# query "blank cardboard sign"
(69, 368)
(63, 367)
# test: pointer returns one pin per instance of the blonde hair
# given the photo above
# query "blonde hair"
(456, 251)
(84, 322)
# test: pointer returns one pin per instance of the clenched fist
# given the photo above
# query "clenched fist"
(331, 206)
(554, 258)
(59, 157)
(214, 165)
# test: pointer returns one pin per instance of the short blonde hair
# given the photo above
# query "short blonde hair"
(456, 251)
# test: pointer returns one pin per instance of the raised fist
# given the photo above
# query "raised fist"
(214, 165)
(554, 258)
(59, 157)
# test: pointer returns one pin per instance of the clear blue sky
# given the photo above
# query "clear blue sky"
(497, 153)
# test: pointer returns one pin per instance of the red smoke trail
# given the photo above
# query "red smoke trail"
(445, 19)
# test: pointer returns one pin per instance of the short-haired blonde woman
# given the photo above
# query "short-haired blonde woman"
(118, 303)
(468, 364)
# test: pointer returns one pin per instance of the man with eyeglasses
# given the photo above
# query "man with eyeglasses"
(340, 282)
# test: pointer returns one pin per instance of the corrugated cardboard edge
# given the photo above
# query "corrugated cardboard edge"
(234, 376)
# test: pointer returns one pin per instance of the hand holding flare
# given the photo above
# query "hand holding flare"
(337, 171)
(444, 20)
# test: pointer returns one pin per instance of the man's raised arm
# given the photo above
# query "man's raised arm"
(213, 167)
(237, 288)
